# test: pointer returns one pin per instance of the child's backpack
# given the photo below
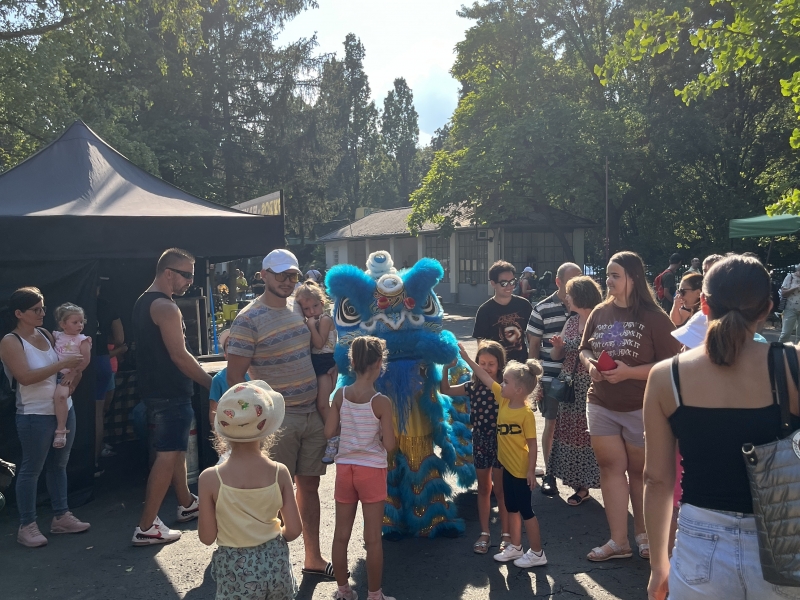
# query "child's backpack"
(659, 285)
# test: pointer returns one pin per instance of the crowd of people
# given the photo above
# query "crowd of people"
(663, 384)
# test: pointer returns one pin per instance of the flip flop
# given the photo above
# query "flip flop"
(576, 499)
(327, 572)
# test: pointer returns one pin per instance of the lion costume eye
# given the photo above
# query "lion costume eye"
(347, 315)
(431, 306)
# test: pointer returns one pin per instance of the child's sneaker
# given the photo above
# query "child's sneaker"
(331, 450)
(510, 552)
(157, 534)
(187, 513)
(337, 595)
(530, 559)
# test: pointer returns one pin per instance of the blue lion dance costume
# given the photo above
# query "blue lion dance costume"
(401, 308)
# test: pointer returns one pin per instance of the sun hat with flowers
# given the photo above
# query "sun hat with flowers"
(249, 411)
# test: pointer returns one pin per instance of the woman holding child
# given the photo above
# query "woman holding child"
(30, 360)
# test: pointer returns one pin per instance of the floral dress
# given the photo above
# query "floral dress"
(483, 417)
(572, 458)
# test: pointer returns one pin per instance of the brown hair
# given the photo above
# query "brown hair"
(641, 296)
(64, 311)
(710, 261)
(21, 300)
(499, 267)
(584, 291)
(365, 351)
(738, 293)
(311, 289)
(695, 280)
(172, 257)
(222, 445)
(527, 373)
(493, 348)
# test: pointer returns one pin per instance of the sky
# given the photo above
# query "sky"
(414, 39)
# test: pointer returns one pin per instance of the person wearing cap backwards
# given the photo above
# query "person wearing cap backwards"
(165, 375)
(240, 500)
(270, 340)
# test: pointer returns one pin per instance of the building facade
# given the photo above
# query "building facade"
(466, 255)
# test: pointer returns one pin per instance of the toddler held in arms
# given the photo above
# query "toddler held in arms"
(69, 341)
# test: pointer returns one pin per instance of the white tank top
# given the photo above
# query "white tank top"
(37, 398)
(360, 439)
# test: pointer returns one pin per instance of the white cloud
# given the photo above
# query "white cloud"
(414, 39)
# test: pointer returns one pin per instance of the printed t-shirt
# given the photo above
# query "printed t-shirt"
(505, 324)
(515, 426)
(279, 345)
(547, 319)
(641, 341)
(219, 385)
(68, 345)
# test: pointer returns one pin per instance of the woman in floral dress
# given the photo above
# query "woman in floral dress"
(572, 458)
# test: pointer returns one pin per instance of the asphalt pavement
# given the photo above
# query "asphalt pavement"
(102, 565)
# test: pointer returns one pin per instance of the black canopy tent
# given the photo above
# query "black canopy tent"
(78, 209)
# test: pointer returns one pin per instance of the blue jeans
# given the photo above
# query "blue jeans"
(716, 556)
(36, 437)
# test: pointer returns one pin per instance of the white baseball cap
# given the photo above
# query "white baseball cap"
(528, 270)
(693, 333)
(280, 260)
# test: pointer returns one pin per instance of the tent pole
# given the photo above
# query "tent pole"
(769, 249)
(213, 316)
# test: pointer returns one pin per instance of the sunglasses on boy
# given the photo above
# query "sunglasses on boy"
(281, 277)
(507, 282)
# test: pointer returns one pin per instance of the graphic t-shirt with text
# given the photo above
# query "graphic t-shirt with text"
(515, 426)
(506, 325)
(633, 341)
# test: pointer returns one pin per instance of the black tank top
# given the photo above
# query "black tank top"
(710, 442)
(157, 375)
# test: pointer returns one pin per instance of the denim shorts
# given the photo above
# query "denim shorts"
(170, 420)
(716, 556)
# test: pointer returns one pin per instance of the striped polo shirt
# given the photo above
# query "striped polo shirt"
(278, 343)
(547, 319)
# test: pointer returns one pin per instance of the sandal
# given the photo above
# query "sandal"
(644, 545)
(504, 543)
(482, 546)
(60, 439)
(608, 551)
(577, 499)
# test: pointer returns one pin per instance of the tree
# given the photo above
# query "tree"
(400, 129)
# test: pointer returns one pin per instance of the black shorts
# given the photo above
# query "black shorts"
(322, 363)
(518, 496)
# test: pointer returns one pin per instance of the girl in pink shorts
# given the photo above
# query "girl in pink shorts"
(363, 420)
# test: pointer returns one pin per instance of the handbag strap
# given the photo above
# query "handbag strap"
(779, 383)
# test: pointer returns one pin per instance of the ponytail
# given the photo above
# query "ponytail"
(737, 291)
(725, 338)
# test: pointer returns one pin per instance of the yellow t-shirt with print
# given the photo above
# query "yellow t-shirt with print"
(515, 426)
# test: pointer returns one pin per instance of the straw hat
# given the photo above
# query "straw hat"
(249, 411)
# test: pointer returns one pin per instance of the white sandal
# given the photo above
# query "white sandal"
(482, 546)
(600, 554)
(644, 545)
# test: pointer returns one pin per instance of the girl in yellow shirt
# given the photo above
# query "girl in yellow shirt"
(516, 451)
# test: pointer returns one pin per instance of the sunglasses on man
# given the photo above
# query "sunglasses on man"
(281, 277)
(507, 282)
(185, 274)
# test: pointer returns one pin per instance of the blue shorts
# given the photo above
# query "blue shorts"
(170, 420)
(322, 363)
(103, 374)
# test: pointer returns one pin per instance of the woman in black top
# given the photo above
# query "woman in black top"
(712, 400)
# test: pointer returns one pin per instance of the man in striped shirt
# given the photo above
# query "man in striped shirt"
(270, 341)
(547, 319)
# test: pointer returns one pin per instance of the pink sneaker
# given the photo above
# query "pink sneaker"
(30, 536)
(68, 523)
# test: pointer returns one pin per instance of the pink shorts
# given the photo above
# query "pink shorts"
(354, 483)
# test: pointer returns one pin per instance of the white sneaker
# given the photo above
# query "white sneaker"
(187, 513)
(530, 559)
(157, 534)
(510, 552)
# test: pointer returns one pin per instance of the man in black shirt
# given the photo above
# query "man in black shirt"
(669, 283)
(504, 317)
